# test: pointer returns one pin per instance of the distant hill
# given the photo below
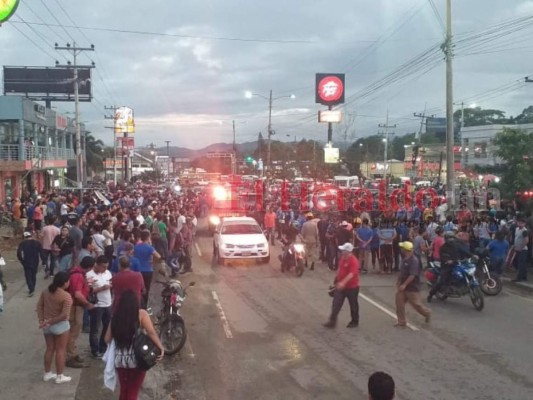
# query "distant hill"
(183, 152)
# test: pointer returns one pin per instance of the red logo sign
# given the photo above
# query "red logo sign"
(330, 89)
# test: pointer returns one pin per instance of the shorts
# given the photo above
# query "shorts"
(58, 328)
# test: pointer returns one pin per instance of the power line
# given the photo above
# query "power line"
(437, 16)
(55, 18)
(134, 32)
(32, 41)
(44, 22)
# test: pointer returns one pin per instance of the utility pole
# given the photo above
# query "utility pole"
(113, 109)
(386, 126)
(168, 158)
(270, 133)
(448, 50)
(234, 158)
(75, 51)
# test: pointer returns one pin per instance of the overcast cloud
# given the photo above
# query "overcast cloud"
(189, 89)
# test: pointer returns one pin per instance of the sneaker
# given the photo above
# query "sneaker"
(97, 356)
(398, 325)
(63, 379)
(30, 294)
(330, 325)
(352, 325)
(48, 376)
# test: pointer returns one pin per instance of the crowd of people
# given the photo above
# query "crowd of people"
(100, 255)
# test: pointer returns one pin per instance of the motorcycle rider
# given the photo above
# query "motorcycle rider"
(291, 235)
(450, 253)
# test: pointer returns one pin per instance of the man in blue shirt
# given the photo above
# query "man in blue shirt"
(146, 254)
(498, 249)
(364, 237)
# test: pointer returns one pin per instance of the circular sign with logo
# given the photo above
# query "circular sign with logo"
(7, 9)
(330, 89)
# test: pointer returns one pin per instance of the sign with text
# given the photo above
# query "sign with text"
(330, 116)
(124, 122)
(329, 89)
(331, 155)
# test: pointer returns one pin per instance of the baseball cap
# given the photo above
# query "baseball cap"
(346, 247)
(27, 234)
(406, 246)
(344, 223)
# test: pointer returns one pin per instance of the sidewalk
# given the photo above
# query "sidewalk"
(22, 344)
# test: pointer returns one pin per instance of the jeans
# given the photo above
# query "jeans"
(100, 317)
(521, 265)
(30, 273)
(338, 301)
(147, 277)
(45, 255)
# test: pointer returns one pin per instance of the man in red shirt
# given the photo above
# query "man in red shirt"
(79, 290)
(346, 286)
(270, 224)
(126, 279)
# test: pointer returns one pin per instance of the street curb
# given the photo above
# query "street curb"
(528, 287)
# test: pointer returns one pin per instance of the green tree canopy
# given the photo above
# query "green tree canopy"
(515, 147)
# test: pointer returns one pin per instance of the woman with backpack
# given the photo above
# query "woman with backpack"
(127, 319)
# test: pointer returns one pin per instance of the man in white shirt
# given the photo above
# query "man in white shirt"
(99, 279)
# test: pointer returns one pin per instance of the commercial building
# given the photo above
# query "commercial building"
(478, 143)
(37, 145)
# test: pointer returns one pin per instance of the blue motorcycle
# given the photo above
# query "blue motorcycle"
(463, 281)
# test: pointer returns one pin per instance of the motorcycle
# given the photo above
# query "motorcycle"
(172, 331)
(463, 281)
(490, 283)
(293, 257)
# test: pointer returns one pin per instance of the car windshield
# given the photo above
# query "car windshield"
(240, 229)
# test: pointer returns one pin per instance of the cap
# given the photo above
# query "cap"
(346, 247)
(309, 214)
(406, 246)
(344, 223)
(357, 221)
(27, 234)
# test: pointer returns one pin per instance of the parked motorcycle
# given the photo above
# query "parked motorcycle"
(463, 282)
(172, 331)
(490, 283)
(293, 258)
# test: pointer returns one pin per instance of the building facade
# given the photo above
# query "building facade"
(36, 147)
(478, 143)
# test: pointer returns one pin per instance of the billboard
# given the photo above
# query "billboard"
(331, 155)
(124, 122)
(329, 89)
(125, 146)
(47, 83)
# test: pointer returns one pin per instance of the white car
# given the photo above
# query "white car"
(240, 237)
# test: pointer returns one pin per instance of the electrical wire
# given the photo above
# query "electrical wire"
(57, 20)
(44, 22)
(437, 16)
(34, 42)
(205, 37)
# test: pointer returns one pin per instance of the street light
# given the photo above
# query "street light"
(248, 94)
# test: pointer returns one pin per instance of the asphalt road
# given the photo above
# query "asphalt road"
(255, 333)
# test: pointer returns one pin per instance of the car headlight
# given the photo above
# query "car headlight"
(229, 246)
(214, 220)
(299, 247)
(261, 245)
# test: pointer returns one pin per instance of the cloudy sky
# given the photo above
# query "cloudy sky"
(185, 69)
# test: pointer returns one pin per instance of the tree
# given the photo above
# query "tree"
(95, 152)
(477, 116)
(526, 117)
(515, 147)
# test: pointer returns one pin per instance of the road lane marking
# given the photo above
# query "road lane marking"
(192, 355)
(222, 314)
(198, 249)
(386, 311)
